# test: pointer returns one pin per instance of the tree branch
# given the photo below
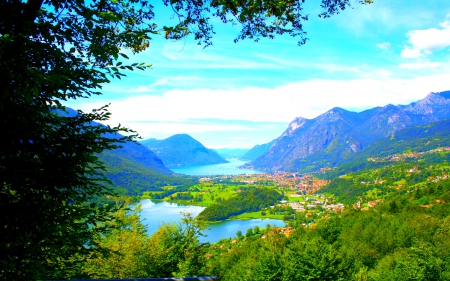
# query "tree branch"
(31, 10)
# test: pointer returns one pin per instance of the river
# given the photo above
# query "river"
(153, 214)
(230, 168)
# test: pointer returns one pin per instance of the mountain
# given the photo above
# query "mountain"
(183, 150)
(231, 152)
(148, 142)
(142, 156)
(338, 134)
(134, 168)
(416, 139)
(257, 151)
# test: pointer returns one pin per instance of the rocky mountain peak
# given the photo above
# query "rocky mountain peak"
(333, 115)
(432, 104)
(295, 125)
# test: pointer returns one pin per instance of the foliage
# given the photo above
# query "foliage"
(174, 250)
(407, 175)
(260, 19)
(52, 51)
(50, 177)
(405, 243)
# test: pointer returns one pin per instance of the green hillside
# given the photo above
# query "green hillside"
(132, 178)
(412, 139)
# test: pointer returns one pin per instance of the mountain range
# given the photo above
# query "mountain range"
(338, 134)
(183, 150)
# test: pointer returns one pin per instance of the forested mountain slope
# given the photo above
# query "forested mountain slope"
(416, 139)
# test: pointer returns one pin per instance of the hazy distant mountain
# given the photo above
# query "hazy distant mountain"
(148, 142)
(183, 150)
(257, 151)
(231, 152)
(339, 134)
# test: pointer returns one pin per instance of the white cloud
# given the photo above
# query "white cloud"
(384, 45)
(195, 58)
(167, 129)
(419, 65)
(427, 41)
(281, 104)
(411, 53)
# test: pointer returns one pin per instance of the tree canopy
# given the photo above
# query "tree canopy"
(53, 51)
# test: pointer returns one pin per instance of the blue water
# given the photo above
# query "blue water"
(154, 214)
(230, 168)
(228, 228)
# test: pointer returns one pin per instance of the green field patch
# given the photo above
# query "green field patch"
(149, 194)
(257, 215)
(296, 199)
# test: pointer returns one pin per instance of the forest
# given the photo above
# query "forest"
(403, 175)
(246, 201)
(400, 239)
(63, 219)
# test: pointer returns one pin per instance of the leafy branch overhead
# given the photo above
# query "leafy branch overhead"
(257, 18)
(51, 178)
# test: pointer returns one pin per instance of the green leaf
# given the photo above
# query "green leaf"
(123, 55)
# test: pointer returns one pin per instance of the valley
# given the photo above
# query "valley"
(407, 159)
(225, 140)
(395, 181)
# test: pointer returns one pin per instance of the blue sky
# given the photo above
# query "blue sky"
(237, 95)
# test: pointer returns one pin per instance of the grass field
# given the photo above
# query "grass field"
(257, 215)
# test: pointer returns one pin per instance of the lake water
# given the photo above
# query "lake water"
(230, 168)
(153, 214)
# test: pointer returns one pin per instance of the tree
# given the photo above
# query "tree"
(172, 250)
(129, 249)
(53, 51)
(49, 170)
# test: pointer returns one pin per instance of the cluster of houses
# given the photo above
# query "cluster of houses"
(310, 203)
(403, 156)
(305, 184)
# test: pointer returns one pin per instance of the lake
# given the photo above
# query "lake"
(230, 168)
(153, 214)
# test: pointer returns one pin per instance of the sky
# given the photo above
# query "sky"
(237, 95)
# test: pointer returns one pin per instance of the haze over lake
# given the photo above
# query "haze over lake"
(230, 168)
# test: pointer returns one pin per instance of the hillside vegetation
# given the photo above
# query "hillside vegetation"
(251, 200)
